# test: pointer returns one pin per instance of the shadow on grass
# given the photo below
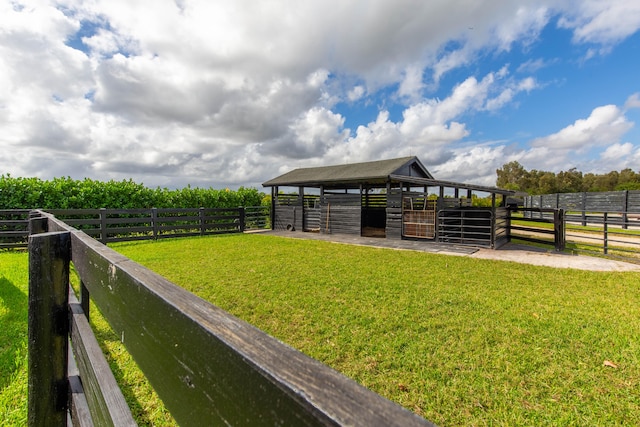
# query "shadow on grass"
(129, 377)
(13, 323)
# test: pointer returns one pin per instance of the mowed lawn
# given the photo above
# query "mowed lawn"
(457, 340)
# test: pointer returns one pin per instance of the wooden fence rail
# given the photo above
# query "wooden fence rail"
(116, 225)
(14, 228)
(555, 236)
(207, 366)
(626, 203)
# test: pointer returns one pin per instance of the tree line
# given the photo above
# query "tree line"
(68, 193)
(513, 176)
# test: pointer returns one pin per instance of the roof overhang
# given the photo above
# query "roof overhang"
(351, 175)
(449, 184)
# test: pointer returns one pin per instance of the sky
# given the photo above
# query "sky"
(231, 93)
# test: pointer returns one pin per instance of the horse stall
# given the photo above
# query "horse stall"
(393, 199)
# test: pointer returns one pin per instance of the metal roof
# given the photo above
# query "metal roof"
(376, 172)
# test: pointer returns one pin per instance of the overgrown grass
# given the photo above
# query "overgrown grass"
(458, 340)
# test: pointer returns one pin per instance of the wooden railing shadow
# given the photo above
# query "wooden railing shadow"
(207, 366)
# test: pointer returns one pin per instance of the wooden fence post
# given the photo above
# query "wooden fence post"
(559, 229)
(625, 218)
(37, 223)
(606, 233)
(103, 226)
(202, 221)
(154, 222)
(48, 328)
(241, 213)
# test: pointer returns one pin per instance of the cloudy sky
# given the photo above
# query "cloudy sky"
(227, 93)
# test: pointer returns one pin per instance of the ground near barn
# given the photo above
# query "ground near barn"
(525, 254)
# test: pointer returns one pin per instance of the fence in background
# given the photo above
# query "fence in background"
(577, 206)
(14, 228)
(116, 225)
(615, 234)
(529, 231)
(207, 366)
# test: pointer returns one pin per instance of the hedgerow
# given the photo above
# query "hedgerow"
(68, 193)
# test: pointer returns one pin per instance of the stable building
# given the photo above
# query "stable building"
(393, 199)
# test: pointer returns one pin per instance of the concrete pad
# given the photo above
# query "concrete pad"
(537, 256)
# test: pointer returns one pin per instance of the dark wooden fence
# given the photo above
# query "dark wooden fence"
(115, 225)
(207, 366)
(615, 234)
(14, 228)
(577, 206)
(531, 233)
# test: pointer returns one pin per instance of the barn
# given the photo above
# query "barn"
(392, 199)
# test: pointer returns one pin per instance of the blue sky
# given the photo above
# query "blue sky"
(230, 93)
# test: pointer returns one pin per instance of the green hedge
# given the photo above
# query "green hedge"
(67, 193)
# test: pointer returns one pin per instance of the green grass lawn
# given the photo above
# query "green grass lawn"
(460, 341)
(13, 339)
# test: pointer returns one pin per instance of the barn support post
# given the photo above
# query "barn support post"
(274, 193)
(48, 328)
(303, 212)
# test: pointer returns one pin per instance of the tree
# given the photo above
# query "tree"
(512, 176)
(569, 182)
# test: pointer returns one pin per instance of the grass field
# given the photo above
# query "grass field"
(458, 340)
(13, 339)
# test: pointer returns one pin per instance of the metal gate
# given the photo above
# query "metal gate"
(419, 218)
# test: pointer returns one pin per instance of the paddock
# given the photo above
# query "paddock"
(390, 199)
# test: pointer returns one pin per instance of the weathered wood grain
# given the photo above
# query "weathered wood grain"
(106, 402)
(49, 257)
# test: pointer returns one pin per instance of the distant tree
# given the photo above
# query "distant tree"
(547, 183)
(569, 181)
(512, 176)
(628, 180)
(588, 182)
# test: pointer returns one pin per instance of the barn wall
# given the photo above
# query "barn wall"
(287, 217)
(394, 215)
(341, 214)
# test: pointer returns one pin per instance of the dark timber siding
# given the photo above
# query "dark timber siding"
(341, 213)
(288, 217)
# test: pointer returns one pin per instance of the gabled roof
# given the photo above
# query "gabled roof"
(376, 172)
